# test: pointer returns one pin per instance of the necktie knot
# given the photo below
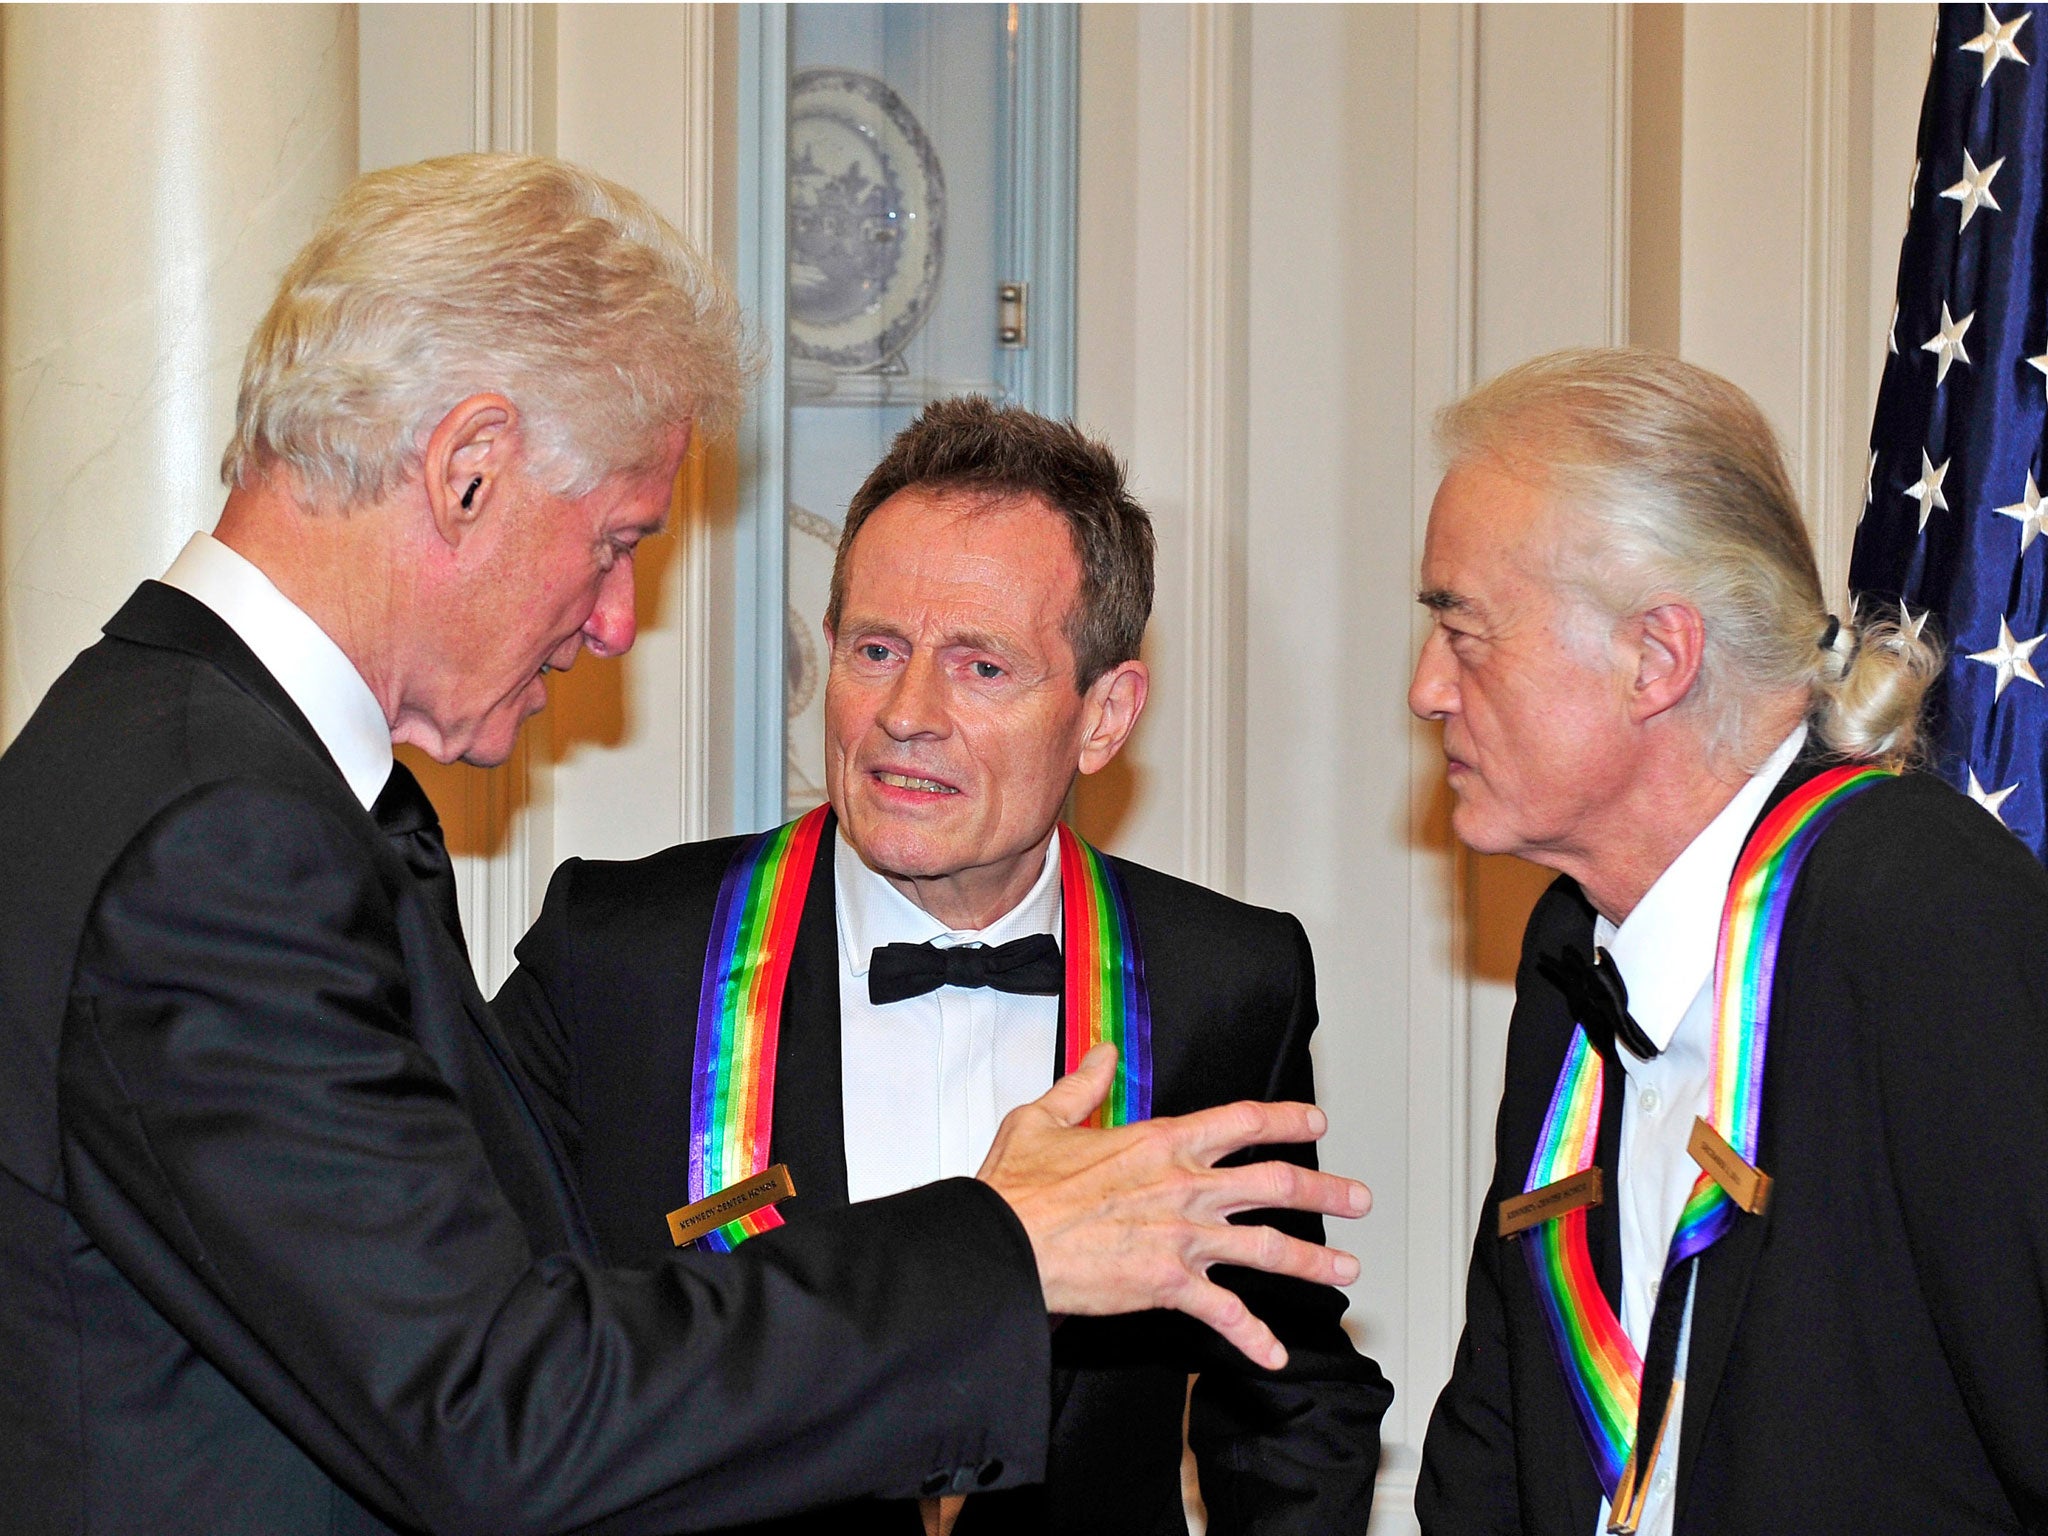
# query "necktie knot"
(1594, 991)
(407, 819)
(1029, 965)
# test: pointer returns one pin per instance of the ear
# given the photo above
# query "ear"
(465, 463)
(1670, 644)
(1109, 710)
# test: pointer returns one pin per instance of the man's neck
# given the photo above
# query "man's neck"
(1677, 794)
(320, 560)
(973, 899)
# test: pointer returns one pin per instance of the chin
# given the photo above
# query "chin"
(887, 844)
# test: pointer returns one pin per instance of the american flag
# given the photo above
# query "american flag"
(1954, 508)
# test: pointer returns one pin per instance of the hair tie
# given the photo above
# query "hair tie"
(1827, 636)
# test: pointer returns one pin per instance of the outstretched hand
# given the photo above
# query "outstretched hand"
(1131, 1218)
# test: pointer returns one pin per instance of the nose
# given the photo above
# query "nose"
(610, 629)
(1433, 691)
(916, 704)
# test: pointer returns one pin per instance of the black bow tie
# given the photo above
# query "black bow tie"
(406, 817)
(1594, 991)
(1030, 965)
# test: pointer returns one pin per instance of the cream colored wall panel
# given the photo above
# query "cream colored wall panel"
(144, 231)
(1552, 226)
(1744, 206)
(419, 82)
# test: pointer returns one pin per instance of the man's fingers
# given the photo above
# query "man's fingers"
(1225, 1311)
(1276, 1253)
(1209, 1134)
(1074, 1097)
(1283, 1186)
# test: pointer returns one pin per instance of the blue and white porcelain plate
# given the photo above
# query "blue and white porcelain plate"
(867, 207)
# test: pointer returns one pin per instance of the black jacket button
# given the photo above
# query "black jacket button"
(990, 1471)
(936, 1484)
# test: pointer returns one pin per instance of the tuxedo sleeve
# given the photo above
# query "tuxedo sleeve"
(1928, 928)
(1467, 1483)
(537, 1009)
(255, 1137)
(1293, 1452)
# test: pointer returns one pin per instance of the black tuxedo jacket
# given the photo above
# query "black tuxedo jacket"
(285, 1244)
(1871, 1354)
(604, 1005)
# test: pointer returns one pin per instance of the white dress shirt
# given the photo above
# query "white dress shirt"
(1664, 952)
(308, 665)
(926, 1081)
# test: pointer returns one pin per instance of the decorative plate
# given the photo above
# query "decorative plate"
(867, 220)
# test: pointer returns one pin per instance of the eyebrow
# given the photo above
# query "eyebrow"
(1443, 600)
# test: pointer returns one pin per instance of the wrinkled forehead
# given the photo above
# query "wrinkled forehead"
(1490, 528)
(938, 537)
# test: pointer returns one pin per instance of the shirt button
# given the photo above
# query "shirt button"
(1651, 1101)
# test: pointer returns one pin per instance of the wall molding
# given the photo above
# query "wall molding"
(1440, 1211)
(1212, 811)
(1829, 482)
(697, 108)
(1620, 167)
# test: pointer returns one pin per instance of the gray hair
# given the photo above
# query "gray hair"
(512, 274)
(1675, 484)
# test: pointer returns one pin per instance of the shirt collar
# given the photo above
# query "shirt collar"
(872, 912)
(308, 665)
(1665, 948)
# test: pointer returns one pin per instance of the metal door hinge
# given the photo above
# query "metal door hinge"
(1013, 313)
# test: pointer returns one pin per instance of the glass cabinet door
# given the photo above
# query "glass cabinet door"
(923, 193)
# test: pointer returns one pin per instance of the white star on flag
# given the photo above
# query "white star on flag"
(1911, 623)
(1927, 489)
(2010, 658)
(1995, 42)
(2041, 363)
(1947, 343)
(1974, 190)
(2027, 513)
(1990, 799)
(1891, 335)
(1869, 485)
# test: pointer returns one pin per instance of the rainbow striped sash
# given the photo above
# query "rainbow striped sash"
(746, 969)
(1602, 1370)
(1106, 997)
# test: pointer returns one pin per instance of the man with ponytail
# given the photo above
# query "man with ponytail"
(1768, 1224)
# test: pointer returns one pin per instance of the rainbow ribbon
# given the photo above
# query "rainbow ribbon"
(746, 969)
(739, 1015)
(1602, 1371)
(1106, 997)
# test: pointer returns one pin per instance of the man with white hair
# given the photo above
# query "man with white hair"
(285, 1246)
(1765, 1243)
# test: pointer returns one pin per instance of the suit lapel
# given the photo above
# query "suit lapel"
(810, 1112)
(1725, 1269)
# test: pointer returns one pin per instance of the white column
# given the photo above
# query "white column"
(159, 165)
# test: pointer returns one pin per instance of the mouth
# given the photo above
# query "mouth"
(914, 783)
